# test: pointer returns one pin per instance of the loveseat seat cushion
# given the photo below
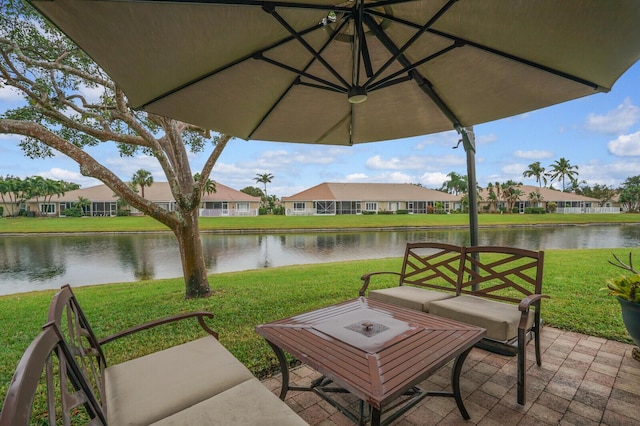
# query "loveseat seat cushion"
(147, 389)
(249, 403)
(418, 299)
(500, 319)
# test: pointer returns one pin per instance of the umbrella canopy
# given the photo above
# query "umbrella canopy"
(346, 72)
(286, 70)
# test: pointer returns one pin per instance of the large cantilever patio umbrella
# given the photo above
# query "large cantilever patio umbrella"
(331, 72)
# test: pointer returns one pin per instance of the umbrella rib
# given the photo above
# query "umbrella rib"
(386, 82)
(335, 87)
(400, 51)
(253, 55)
(271, 10)
(420, 80)
(541, 67)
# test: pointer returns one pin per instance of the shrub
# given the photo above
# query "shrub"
(404, 211)
(1, 211)
(385, 212)
(72, 212)
(369, 212)
(262, 211)
(123, 212)
(534, 210)
(430, 210)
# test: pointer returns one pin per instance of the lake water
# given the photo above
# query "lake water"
(46, 262)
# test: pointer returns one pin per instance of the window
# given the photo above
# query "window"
(299, 207)
(371, 206)
(349, 207)
(47, 208)
(242, 207)
(325, 207)
(393, 207)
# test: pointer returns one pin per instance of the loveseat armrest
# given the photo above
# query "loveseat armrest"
(199, 315)
(367, 277)
(525, 306)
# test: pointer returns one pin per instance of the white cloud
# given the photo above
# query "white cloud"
(356, 177)
(56, 173)
(433, 180)
(625, 145)
(533, 154)
(9, 94)
(125, 167)
(616, 121)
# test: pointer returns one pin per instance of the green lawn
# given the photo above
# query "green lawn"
(241, 300)
(270, 222)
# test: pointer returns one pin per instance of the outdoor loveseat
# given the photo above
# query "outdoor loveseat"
(195, 383)
(497, 288)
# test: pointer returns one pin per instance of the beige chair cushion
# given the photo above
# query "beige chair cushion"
(247, 404)
(500, 319)
(414, 298)
(155, 386)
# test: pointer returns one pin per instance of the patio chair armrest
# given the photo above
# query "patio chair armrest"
(525, 306)
(199, 315)
(526, 303)
(367, 277)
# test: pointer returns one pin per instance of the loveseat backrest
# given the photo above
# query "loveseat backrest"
(432, 265)
(67, 315)
(506, 274)
(48, 378)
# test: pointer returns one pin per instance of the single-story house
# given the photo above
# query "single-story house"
(534, 196)
(358, 198)
(103, 201)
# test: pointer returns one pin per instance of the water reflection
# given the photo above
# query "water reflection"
(44, 262)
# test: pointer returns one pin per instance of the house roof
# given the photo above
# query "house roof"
(371, 192)
(157, 192)
(547, 194)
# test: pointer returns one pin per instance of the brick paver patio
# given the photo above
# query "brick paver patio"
(583, 380)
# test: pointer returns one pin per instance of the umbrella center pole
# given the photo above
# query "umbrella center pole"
(469, 143)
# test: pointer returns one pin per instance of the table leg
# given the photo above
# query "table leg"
(455, 383)
(375, 416)
(284, 368)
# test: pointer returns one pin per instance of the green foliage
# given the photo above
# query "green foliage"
(626, 287)
(534, 210)
(402, 211)
(369, 212)
(74, 211)
(253, 191)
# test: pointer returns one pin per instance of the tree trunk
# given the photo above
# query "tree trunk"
(191, 255)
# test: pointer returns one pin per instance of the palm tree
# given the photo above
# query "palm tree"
(561, 169)
(537, 171)
(208, 187)
(142, 178)
(264, 178)
(457, 184)
(535, 198)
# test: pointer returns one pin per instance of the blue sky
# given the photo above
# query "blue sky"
(600, 134)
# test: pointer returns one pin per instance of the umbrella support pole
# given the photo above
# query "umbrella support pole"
(469, 143)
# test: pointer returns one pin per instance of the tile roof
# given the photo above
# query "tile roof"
(371, 192)
(158, 192)
(547, 194)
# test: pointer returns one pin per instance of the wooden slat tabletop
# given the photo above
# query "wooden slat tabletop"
(379, 366)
